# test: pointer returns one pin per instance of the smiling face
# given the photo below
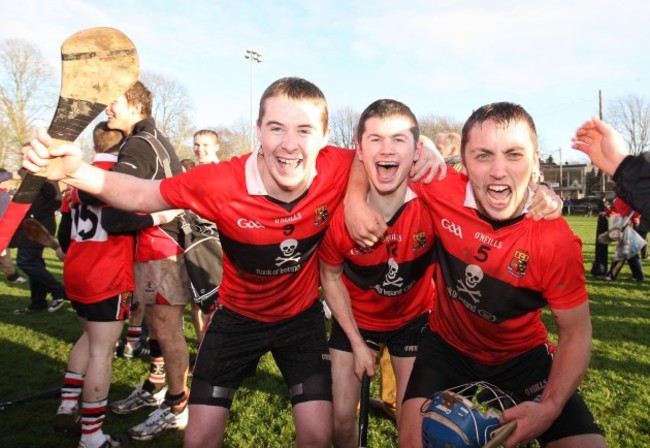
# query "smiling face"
(205, 148)
(291, 134)
(499, 158)
(122, 116)
(387, 149)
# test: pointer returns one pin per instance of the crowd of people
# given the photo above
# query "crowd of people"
(445, 278)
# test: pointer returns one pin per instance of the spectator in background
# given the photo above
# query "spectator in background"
(608, 151)
(567, 206)
(642, 227)
(206, 146)
(600, 267)
(629, 218)
(448, 143)
(30, 255)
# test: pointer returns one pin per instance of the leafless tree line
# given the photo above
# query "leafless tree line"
(28, 97)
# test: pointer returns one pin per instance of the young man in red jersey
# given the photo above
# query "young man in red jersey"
(98, 278)
(382, 294)
(497, 270)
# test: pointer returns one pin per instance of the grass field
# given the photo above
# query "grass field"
(34, 350)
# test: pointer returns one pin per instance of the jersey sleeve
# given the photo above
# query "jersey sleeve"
(328, 251)
(563, 278)
(202, 189)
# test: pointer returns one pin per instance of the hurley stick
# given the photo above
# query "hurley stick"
(98, 65)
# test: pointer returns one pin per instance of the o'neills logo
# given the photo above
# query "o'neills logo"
(292, 218)
(486, 239)
(322, 215)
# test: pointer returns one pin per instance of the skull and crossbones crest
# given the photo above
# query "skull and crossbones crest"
(473, 276)
(288, 248)
(391, 278)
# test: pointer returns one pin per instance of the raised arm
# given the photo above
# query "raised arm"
(118, 190)
(604, 146)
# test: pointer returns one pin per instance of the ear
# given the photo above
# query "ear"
(419, 147)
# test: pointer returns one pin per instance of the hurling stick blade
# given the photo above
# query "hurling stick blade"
(36, 233)
(98, 65)
(501, 434)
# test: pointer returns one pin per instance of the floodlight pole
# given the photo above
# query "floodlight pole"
(253, 56)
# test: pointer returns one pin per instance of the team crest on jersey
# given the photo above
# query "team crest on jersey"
(419, 241)
(322, 215)
(518, 264)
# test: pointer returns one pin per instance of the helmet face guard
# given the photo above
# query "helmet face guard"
(464, 416)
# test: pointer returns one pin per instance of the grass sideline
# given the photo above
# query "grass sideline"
(34, 351)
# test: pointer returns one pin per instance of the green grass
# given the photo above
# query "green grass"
(34, 350)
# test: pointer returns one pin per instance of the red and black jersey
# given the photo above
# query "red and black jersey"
(270, 267)
(494, 277)
(97, 265)
(392, 282)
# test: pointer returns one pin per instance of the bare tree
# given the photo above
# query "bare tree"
(430, 125)
(171, 110)
(234, 141)
(630, 116)
(26, 94)
(343, 124)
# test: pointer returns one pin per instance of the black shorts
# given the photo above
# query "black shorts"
(402, 342)
(439, 366)
(233, 345)
(116, 308)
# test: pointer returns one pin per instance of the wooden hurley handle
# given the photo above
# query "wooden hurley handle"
(501, 434)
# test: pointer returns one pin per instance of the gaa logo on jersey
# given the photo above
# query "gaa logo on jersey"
(322, 215)
(419, 241)
(518, 264)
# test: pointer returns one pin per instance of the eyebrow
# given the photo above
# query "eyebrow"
(277, 123)
(396, 134)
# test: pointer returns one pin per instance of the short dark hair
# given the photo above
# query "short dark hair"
(503, 113)
(385, 108)
(295, 89)
(209, 133)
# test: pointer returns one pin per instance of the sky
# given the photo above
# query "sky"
(440, 58)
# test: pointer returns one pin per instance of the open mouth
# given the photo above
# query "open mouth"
(386, 169)
(289, 163)
(499, 194)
